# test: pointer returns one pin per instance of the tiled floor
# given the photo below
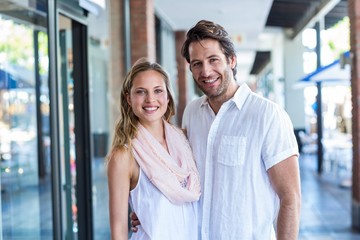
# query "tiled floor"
(325, 213)
(326, 204)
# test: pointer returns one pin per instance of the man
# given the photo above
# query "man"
(244, 146)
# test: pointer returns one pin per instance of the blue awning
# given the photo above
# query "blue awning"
(9, 81)
(332, 74)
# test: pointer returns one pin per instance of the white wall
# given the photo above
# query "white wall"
(277, 60)
(286, 65)
(294, 98)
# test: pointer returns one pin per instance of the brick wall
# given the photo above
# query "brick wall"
(116, 61)
(354, 15)
(142, 29)
(182, 66)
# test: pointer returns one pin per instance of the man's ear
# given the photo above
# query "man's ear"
(233, 61)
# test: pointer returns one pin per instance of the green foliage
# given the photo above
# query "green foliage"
(339, 37)
(17, 45)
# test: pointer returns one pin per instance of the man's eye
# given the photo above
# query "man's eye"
(195, 64)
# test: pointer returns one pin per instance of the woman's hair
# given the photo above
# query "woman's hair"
(204, 30)
(126, 126)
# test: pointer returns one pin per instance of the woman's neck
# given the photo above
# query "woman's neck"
(157, 131)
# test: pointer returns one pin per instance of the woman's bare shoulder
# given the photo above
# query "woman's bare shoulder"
(122, 163)
(120, 153)
(119, 159)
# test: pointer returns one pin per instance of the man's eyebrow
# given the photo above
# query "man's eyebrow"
(214, 55)
(195, 60)
(208, 57)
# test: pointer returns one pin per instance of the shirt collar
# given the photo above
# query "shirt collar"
(241, 94)
(239, 97)
(204, 101)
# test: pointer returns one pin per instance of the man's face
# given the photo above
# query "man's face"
(211, 70)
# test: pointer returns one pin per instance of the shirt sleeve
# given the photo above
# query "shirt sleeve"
(185, 118)
(279, 141)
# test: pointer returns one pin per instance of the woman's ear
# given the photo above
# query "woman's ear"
(128, 98)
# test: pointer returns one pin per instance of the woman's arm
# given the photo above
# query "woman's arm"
(119, 176)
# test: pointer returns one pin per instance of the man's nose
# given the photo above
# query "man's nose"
(205, 70)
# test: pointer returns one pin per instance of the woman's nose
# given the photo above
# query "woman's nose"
(150, 97)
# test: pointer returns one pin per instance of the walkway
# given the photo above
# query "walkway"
(326, 206)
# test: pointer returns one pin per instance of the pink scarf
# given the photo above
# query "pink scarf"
(174, 174)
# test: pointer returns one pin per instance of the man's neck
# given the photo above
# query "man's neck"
(217, 102)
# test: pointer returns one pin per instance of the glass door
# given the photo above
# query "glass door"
(74, 131)
(24, 122)
(67, 134)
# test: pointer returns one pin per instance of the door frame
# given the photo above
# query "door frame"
(82, 121)
(82, 131)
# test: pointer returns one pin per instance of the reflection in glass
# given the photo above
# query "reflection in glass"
(24, 123)
(68, 125)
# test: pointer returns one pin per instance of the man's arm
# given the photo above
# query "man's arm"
(285, 179)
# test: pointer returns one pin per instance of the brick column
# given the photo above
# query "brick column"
(354, 16)
(116, 62)
(142, 29)
(182, 66)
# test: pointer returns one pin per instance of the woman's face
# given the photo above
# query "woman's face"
(148, 97)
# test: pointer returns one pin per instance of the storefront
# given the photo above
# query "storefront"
(53, 181)
(333, 109)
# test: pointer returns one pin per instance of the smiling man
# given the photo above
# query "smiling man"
(244, 146)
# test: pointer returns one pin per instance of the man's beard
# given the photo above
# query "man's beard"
(222, 88)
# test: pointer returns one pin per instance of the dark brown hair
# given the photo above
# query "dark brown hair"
(206, 29)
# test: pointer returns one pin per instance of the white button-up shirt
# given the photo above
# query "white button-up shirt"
(233, 150)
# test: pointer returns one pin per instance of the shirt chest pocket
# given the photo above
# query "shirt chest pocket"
(232, 150)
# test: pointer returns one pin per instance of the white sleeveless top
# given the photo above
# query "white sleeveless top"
(160, 219)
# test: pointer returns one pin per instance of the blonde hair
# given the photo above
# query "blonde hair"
(126, 126)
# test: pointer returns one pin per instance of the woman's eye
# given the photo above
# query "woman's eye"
(140, 92)
(158, 91)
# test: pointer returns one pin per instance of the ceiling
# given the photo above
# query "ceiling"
(250, 23)
(248, 20)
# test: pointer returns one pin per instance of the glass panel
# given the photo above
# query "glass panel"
(24, 122)
(98, 79)
(68, 135)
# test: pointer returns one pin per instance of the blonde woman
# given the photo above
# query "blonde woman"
(151, 165)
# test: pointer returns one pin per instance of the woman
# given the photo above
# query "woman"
(150, 164)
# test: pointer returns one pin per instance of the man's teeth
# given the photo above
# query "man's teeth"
(210, 81)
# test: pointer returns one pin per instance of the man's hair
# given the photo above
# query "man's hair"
(209, 30)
